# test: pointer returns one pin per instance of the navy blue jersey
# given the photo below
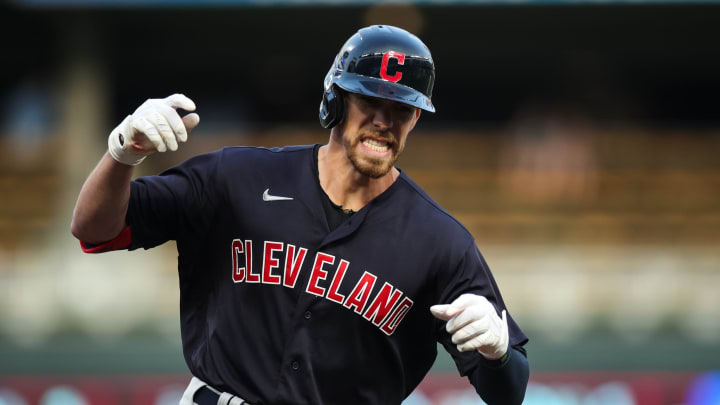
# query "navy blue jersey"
(278, 308)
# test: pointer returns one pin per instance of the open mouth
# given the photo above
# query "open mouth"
(376, 145)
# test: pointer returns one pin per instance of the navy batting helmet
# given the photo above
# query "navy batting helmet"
(379, 61)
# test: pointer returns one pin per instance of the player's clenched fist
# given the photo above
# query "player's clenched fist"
(475, 325)
(154, 126)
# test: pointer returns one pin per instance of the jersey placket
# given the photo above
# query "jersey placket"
(295, 373)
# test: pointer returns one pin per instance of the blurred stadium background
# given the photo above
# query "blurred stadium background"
(578, 141)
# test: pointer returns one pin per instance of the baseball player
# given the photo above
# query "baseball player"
(317, 274)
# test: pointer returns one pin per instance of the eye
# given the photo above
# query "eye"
(370, 100)
(405, 109)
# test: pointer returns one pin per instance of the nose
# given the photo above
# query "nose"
(382, 117)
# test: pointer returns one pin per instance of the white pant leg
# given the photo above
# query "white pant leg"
(187, 397)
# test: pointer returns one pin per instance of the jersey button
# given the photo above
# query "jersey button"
(295, 365)
(308, 314)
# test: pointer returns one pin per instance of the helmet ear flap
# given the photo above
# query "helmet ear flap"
(332, 107)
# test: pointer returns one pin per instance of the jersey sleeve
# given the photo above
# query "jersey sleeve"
(166, 206)
(472, 276)
(177, 203)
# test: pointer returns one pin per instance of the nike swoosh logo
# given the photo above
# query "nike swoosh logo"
(268, 197)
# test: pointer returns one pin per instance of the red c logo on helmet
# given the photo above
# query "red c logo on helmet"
(383, 68)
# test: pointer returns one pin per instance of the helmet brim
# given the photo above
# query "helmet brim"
(373, 87)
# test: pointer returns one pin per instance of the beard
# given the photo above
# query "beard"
(367, 165)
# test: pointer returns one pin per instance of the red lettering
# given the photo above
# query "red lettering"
(382, 304)
(292, 265)
(359, 295)
(332, 294)
(394, 320)
(251, 277)
(383, 67)
(238, 275)
(269, 263)
(318, 273)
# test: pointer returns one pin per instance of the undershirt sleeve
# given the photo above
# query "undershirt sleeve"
(502, 382)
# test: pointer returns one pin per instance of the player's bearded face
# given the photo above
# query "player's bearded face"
(367, 164)
(374, 133)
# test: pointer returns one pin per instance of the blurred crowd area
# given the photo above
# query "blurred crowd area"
(578, 144)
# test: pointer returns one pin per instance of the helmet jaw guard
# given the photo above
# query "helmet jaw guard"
(379, 61)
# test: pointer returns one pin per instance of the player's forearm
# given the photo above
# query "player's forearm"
(504, 384)
(101, 207)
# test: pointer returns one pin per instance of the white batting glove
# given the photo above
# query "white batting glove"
(154, 127)
(475, 325)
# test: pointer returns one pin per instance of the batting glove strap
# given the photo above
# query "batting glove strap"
(119, 144)
(501, 362)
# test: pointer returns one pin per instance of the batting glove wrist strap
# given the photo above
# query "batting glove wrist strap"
(119, 144)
